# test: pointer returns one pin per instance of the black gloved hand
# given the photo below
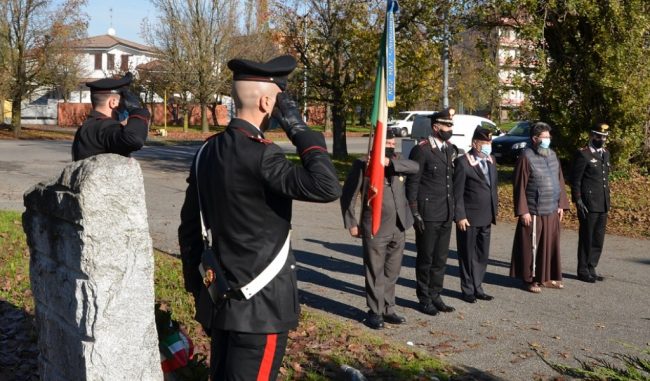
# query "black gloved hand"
(418, 223)
(287, 114)
(130, 101)
(582, 209)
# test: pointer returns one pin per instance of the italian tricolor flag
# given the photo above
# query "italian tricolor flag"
(384, 97)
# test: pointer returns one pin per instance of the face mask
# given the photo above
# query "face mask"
(444, 135)
(486, 149)
(597, 143)
(545, 143)
(389, 152)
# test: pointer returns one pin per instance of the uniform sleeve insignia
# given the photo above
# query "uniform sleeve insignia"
(593, 161)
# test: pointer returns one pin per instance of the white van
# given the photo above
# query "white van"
(403, 123)
(464, 126)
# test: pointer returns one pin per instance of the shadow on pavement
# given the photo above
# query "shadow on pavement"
(168, 159)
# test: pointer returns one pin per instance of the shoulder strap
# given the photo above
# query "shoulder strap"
(204, 231)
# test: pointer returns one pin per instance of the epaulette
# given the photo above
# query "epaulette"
(260, 140)
(585, 148)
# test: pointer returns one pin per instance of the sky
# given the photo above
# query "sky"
(127, 17)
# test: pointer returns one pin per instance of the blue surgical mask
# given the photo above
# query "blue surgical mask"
(486, 149)
(545, 143)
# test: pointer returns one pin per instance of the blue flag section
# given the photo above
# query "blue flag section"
(391, 8)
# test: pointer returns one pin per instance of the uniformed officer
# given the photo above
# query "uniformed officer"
(246, 187)
(102, 131)
(431, 198)
(590, 192)
(382, 253)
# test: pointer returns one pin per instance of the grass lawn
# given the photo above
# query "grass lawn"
(316, 350)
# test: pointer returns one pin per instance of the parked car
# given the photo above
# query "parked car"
(402, 125)
(508, 147)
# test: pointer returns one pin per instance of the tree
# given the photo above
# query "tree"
(31, 34)
(194, 40)
(336, 46)
(585, 61)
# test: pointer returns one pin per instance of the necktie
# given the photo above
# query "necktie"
(484, 168)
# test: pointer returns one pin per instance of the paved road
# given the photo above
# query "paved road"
(494, 339)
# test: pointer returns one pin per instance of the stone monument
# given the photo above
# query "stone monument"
(91, 272)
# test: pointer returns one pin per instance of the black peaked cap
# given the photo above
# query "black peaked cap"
(601, 129)
(110, 85)
(276, 70)
(482, 133)
(445, 116)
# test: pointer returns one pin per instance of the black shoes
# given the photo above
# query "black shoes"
(394, 318)
(587, 278)
(469, 298)
(428, 308)
(598, 278)
(442, 307)
(485, 297)
(374, 321)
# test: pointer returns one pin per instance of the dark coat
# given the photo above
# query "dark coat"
(431, 188)
(590, 180)
(102, 134)
(475, 199)
(394, 206)
(247, 186)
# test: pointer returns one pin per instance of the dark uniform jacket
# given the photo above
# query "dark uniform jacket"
(395, 211)
(590, 179)
(247, 186)
(102, 134)
(431, 188)
(475, 199)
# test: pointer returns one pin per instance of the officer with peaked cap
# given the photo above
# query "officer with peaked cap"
(102, 131)
(590, 193)
(475, 197)
(244, 186)
(431, 199)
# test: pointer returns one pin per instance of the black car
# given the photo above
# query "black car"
(506, 148)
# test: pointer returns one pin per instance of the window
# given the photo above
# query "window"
(124, 63)
(111, 62)
(98, 61)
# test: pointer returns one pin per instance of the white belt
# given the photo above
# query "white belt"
(269, 272)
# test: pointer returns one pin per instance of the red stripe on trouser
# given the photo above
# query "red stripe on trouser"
(267, 361)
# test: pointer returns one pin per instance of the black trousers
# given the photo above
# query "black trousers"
(433, 248)
(473, 252)
(238, 356)
(382, 259)
(590, 242)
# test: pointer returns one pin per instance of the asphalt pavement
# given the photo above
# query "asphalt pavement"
(493, 340)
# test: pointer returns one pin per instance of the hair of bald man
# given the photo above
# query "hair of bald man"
(246, 94)
(100, 99)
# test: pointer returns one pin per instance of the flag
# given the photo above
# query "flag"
(384, 97)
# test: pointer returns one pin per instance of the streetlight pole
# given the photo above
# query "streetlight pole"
(304, 73)
(445, 65)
